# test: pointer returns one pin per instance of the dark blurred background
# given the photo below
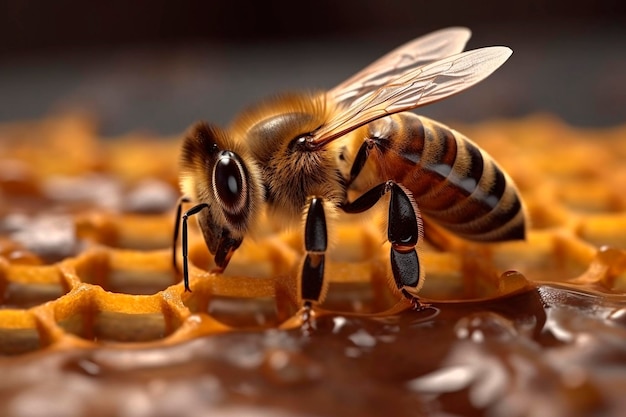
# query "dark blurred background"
(160, 65)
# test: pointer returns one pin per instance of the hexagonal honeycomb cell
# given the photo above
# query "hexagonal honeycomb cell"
(93, 313)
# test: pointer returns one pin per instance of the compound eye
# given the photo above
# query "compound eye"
(229, 181)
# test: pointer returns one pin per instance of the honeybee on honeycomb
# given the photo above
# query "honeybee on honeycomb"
(302, 155)
(92, 312)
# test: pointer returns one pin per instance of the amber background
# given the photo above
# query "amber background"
(160, 65)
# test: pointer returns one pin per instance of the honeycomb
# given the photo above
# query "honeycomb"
(94, 319)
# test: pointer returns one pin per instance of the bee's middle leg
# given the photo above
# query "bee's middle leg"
(311, 286)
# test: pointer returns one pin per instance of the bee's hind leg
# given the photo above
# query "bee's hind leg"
(404, 229)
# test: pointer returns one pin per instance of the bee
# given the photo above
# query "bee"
(308, 156)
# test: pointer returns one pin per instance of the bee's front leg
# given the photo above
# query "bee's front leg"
(311, 285)
(179, 209)
(404, 229)
(194, 210)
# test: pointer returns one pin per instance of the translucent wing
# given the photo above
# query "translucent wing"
(407, 57)
(422, 85)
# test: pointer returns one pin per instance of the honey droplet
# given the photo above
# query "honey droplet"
(483, 326)
(285, 367)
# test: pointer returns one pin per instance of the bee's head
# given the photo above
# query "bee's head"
(218, 173)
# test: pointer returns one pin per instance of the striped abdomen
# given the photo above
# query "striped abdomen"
(454, 182)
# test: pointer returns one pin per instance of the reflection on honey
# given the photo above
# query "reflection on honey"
(90, 303)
